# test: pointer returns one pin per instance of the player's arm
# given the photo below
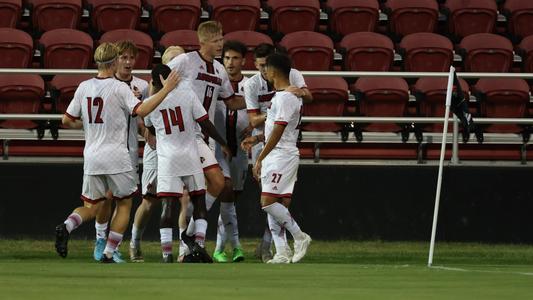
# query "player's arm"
(250, 141)
(72, 122)
(208, 127)
(146, 107)
(303, 93)
(256, 118)
(272, 141)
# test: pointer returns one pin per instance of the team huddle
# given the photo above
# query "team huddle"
(200, 120)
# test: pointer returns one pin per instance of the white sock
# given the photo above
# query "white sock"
(200, 230)
(228, 213)
(209, 201)
(221, 235)
(136, 236)
(183, 249)
(101, 230)
(278, 235)
(73, 221)
(113, 240)
(282, 215)
(267, 238)
(166, 241)
(190, 227)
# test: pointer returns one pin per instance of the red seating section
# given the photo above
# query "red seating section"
(367, 51)
(472, 16)
(526, 47)
(16, 48)
(54, 14)
(251, 39)
(348, 16)
(142, 40)
(188, 39)
(170, 15)
(66, 49)
(310, 51)
(294, 15)
(116, 14)
(10, 11)
(20, 94)
(487, 52)
(426, 52)
(411, 16)
(62, 88)
(520, 15)
(236, 15)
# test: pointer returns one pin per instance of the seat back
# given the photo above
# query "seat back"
(20, 94)
(412, 16)
(520, 17)
(187, 39)
(66, 49)
(170, 15)
(486, 52)
(294, 15)
(526, 49)
(54, 14)
(62, 88)
(142, 40)
(426, 52)
(235, 15)
(348, 16)
(470, 17)
(116, 14)
(309, 51)
(367, 51)
(16, 48)
(10, 13)
(251, 39)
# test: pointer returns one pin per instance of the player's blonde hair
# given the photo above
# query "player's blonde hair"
(208, 29)
(170, 53)
(105, 55)
(126, 46)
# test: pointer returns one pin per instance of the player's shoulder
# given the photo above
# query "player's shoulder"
(139, 82)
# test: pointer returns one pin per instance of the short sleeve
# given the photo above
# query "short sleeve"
(285, 109)
(250, 96)
(198, 111)
(226, 90)
(74, 108)
(297, 79)
(148, 121)
(180, 64)
(130, 102)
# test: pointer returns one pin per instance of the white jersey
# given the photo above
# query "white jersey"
(104, 106)
(175, 120)
(285, 109)
(209, 80)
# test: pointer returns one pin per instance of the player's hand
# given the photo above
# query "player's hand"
(256, 170)
(298, 92)
(150, 139)
(227, 152)
(248, 143)
(246, 132)
(137, 93)
(171, 82)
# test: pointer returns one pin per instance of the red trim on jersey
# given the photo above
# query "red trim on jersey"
(197, 193)
(227, 98)
(134, 112)
(73, 118)
(85, 199)
(211, 167)
(283, 123)
(177, 195)
(255, 110)
(266, 97)
(128, 196)
(276, 195)
(202, 118)
(102, 78)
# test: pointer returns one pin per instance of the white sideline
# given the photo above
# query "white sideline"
(479, 271)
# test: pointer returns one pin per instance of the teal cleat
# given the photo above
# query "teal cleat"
(99, 247)
(117, 257)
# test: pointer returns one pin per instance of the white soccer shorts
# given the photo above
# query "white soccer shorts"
(149, 182)
(172, 186)
(278, 175)
(207, 156)
(121, 185)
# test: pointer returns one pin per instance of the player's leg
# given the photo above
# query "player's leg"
(183, 220)
(238, 171)
(166, 224)
(101, 225)
(224, 226)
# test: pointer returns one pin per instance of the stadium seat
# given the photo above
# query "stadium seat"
(470, 17)
(66, 49)
(426, 52)
(366, 51)
(486, 52)
(142, 40)
(382, 97)
(294, 15)
(16, 48)
(502, 98)
(62, 88)
(170, 15)
(20, 94)
(309, 51)
(526, 51)
(251, 39)
(412, 16)
(10, 12)
(188, 39)
(329, 99)
(348, 16)
(519, 15)
(54, 14)
(236, 15)
(116, 14)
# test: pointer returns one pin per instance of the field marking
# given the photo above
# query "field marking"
(480, 271)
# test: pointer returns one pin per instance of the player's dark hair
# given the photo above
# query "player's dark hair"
(162, 70)
(234, 46)
(263, 50)
(280, 62)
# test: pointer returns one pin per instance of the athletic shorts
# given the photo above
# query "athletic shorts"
(278, 175)
(236, 169)
(207, 155)
(121, 185)
(256, 149)
(172, 186)
(149, 182)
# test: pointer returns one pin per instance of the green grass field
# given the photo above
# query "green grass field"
(30, 269)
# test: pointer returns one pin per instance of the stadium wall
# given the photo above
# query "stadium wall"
(489, 204)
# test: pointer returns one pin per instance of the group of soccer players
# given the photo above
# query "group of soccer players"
(187, 159)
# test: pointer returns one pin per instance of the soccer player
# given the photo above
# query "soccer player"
(149, 178)
(258, 93)
(179, 164)
(127, 54)
(276, 166)
(104, 104)
(232, 125)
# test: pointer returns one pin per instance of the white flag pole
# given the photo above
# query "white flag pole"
(449, 89)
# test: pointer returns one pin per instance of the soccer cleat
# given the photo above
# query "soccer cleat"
(167, 259)
(197, 251)
(62, 236)
(136, 255)
(266, 255)
(300, 248)
(107, 260)
(238, 255)
(279, 258)
(220, 257)
(189, 258)
(99, 247)
(263, 253)
(117, 257)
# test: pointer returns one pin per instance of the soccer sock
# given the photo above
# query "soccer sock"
(101, 229)
(183, 249)
(278, 235)
(136, 236)
(228, 213)
(267, 238)
(190, 228)
(73, 221)
(221, 235)
(209, 201)
(199, 232)
(283, 216)
(113, 240)
(166, 241)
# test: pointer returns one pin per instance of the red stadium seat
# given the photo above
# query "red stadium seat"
(54, 14)
(187, 39)
(116, 14)
(526, 50)
(382, 97)
(251, 39)
(519, 17)
(170, 15)
(10, 13)
(16, 48)
(20, 94)
(236, 15)
(348, 16)
(62, 88)
(426, 52)
(294, 15)
(367, 51)
(486, 52)
(329, 98)
(470, 17)
(309, 51)
(142, 40)
(412, 16)
(503, 98)
(66, 49)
